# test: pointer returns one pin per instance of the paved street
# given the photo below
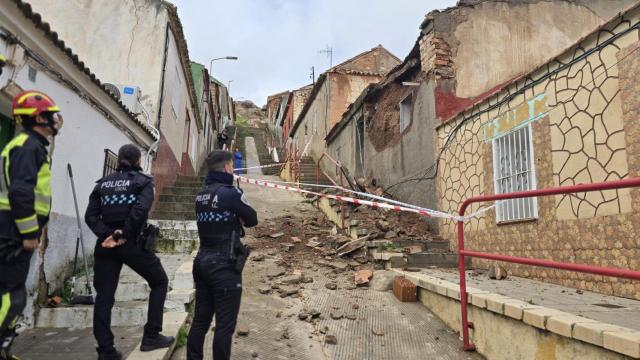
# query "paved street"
(382, 327)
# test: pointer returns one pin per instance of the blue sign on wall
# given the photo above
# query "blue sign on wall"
(128, 90)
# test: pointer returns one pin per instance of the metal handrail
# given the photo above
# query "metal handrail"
(462, 253)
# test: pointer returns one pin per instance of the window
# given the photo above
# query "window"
(513, 170)
(406, 107)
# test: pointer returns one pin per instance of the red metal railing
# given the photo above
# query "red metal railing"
(614, 272)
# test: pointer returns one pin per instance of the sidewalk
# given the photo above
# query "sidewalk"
(607, 309)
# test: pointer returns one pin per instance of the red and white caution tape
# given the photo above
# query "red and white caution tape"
(373, 204)
(260, 166)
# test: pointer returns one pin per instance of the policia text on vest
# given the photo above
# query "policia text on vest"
(221, 212)
(117, 213)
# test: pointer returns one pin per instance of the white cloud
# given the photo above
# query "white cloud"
(277, 41)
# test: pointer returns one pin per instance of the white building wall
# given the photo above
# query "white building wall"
(81, 143)
(121, 41)
(174, 110)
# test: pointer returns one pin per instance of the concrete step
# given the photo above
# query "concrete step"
(130, 313)
(401, 243)
(178, 234)
(127, 291)
(173, 215)
(190, 184)
(169, 246)
(191, 191)
(176, 206)
(427, 259)
(188, 178)
(175, 224)
(172, 322)
(177, 199)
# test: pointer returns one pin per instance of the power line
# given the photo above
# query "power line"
(454, 131)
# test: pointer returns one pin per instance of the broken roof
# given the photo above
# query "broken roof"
(342, 68)
(410, 64)
(39, 23)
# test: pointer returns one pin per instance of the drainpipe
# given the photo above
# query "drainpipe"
(164, 70)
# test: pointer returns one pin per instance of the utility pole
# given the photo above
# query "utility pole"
(329, 52)
(313, 75)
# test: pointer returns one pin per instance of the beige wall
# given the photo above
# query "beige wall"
(584, 131)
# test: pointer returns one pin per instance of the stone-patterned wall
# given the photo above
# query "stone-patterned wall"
(588, 132)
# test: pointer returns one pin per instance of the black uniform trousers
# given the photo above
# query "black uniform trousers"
(13, 293)
(107, 267)
(218, 292)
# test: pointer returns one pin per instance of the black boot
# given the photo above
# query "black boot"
(157, 341)
(5, 345)
(111, 355)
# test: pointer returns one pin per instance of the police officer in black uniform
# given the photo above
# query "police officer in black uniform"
(117, 213)
(221, 211)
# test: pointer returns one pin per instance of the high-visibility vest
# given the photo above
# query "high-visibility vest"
(42, 190)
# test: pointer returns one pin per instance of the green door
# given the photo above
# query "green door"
(7, 129)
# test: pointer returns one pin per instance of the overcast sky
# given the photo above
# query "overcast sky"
(277, 41)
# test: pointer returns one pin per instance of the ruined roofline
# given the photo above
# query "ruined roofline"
(497, 90)
(335, 70)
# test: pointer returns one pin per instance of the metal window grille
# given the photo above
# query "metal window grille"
(110, 162)
(513, 169)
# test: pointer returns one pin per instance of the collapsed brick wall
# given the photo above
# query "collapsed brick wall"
(383, 118)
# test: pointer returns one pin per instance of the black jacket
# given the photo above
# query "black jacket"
(24, 164)
(121, 200)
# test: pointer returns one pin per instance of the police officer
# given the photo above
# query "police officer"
(117, 213)
(25, 203)
(221, 210)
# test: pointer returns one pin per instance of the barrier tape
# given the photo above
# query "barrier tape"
(372, 196)
(262, 166)
(374, 204)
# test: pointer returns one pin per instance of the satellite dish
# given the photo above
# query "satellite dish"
(113, 90)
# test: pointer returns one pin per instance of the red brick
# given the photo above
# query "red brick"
(404, 290)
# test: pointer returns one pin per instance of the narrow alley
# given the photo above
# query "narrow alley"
(298, 305)
(444, 179)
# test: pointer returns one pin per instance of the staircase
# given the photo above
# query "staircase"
(264, 157)
(307, 170)
(177, 202)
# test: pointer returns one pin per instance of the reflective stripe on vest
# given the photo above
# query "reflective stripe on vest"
(42, 190)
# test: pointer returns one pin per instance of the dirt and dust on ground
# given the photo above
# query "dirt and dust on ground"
(301, 300)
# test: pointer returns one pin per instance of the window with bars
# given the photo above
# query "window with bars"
(110, 162)
(513, 169)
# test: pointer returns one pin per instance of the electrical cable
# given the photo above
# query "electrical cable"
(464, 120)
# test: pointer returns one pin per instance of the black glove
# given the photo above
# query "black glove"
(10, 249)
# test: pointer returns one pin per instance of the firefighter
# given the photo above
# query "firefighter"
(221, 212)
(25, 203)
(3, 62)
(117, 213)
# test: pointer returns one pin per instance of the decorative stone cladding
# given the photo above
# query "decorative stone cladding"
(586, 104)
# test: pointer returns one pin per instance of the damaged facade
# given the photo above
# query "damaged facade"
(94, 121)
(400, 127)
(572, 120)
(140, 44)
(333, 92)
